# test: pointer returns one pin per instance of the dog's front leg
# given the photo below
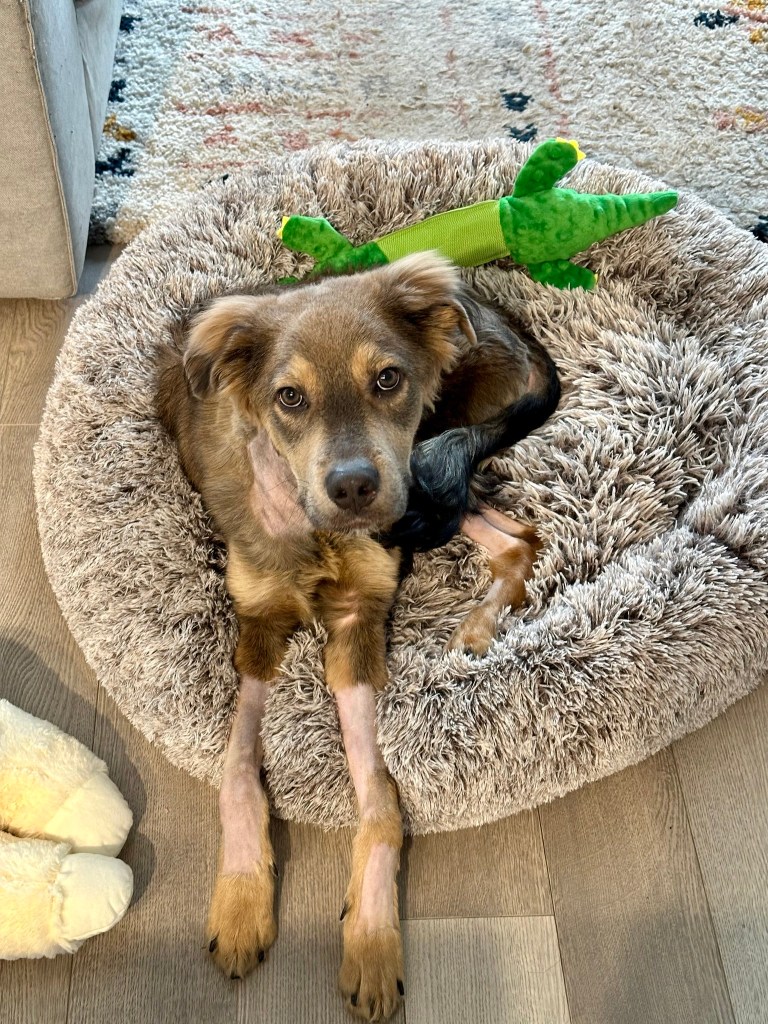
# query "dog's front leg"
(241, 922)
(355, 612)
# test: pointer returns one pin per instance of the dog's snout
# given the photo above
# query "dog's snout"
(352, 485)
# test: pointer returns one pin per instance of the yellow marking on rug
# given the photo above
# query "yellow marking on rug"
(113, 127)
(746, 6)
(754, 120)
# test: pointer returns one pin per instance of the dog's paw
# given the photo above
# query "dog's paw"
(475, 633)
(241, 921)
(371, 975)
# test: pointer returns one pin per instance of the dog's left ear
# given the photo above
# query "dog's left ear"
(423, 290)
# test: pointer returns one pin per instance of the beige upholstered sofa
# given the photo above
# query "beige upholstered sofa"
(55, 71)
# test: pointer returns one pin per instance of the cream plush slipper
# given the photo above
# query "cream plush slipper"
(52, 900)
(53, 786)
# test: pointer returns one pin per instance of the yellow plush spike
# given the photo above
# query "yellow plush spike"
(574, 143)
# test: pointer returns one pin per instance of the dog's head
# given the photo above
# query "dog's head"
(338, 373)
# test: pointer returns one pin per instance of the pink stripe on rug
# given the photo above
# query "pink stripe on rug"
(753, 14)
(550, 68)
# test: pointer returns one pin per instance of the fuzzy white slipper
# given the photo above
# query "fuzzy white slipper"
(53, 786)
(52, 900)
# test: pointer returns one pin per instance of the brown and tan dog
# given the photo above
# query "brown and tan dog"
(296, 411)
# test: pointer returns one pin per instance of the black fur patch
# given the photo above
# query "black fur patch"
(443, 466)
(760, 229)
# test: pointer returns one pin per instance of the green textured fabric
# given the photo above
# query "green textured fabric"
(546, 165)
(558, 223)
(539, 226)
(469, 237)
(562, 274)
(317, 237)
(313, 235)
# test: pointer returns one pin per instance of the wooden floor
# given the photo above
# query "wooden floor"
(642, 899)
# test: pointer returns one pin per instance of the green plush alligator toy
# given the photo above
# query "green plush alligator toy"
(539, 226)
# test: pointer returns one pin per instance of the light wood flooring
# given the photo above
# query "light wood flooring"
(642, 899)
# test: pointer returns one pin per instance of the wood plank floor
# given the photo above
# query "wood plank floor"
(642, 899)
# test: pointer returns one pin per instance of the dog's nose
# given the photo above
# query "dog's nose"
(352, 485)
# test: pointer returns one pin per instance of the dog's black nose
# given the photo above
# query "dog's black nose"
(352, 485)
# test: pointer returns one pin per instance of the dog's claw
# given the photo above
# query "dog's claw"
(235, 977)
(344, 911)
(400, 986)
(213, 944)
(260, 957)
(353, 999)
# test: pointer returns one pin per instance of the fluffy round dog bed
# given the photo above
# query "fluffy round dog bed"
(648, 613)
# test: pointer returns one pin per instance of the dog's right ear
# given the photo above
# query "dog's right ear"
(226, 349)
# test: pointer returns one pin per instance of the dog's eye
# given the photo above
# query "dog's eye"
(388, 379)
(290, 398)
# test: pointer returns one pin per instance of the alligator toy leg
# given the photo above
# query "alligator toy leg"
(562, 274)
(313, 235)
(331, 250)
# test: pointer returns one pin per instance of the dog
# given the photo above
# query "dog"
(332, 428)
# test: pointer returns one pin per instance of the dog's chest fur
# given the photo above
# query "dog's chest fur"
(278, 564)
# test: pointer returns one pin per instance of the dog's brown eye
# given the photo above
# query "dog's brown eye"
(290, 398)
(388, 379)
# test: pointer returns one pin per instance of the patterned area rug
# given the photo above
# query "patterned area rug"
(206, 88)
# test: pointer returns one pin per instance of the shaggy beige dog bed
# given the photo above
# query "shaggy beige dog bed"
(649, 609)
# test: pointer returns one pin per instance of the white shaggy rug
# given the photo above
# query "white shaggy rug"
(649, 608)
(204, 88)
